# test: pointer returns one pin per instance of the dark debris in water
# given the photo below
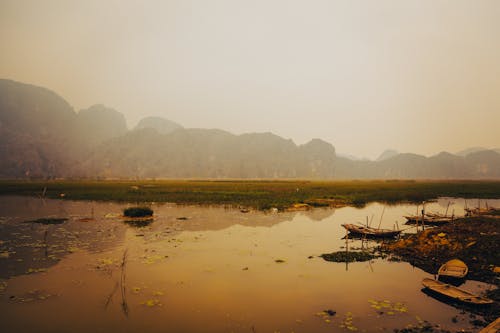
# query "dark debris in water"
(49, 220)
(343, 256)
(330, 312)
(31, 296)
(139, 222)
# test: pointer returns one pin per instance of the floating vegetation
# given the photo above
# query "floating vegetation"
(105, 262)
(387, 307)
(31, 296)
(326, 315)
(343, 256)
(49, 220)
(152, 303)
(347, 322)
(36, 270)
(3, 287)
(148, 260)
(138, 212)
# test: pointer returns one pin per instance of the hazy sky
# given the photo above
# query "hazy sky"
(419, 76)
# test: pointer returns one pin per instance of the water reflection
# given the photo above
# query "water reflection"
(202, 269)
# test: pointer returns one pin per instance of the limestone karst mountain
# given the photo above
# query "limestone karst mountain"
(161, 125)
(41, 136)
(386, 154)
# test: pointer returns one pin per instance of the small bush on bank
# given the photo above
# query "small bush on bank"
(138, 212)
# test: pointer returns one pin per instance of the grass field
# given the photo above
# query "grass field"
(257, 194)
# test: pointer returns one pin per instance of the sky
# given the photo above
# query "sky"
(418, 76)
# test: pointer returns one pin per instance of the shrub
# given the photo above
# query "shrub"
(138, 212)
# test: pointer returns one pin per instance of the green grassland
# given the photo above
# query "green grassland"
(262, 194)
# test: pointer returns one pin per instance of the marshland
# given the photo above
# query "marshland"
(257, 194)
(201, 262)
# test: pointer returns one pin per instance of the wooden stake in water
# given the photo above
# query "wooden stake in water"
(346, 250)
(381, 216)
(448, 206)
(423, 218)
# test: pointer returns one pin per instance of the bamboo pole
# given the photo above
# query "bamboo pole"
(381, 216)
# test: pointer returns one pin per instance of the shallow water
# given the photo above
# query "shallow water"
(214, 271)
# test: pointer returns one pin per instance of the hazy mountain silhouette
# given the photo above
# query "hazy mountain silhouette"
(387, 154)
(467, 151)
(352, 157)
(36, 131)
(162, 125)
(42, 136)
(471, 150)
(208, 153)
(99, 123)
(485, 163)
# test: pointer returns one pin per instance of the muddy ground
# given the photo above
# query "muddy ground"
(474, 240)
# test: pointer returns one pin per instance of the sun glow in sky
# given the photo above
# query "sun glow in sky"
(417, 76)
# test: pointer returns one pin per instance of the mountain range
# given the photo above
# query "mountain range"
(41, 136)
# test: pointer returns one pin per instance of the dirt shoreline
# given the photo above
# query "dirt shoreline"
(474, 240)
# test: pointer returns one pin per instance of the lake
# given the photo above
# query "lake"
(207, 269)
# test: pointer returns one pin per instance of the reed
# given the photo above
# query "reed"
(258, 194)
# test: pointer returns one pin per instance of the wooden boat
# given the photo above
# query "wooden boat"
(441, 216)
(414, 219)
(493, 327)
(453, 269)
(454, 293)
(370, 232)
(479, 211)
(487, 210)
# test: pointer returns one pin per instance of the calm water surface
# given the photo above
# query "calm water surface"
(213, 270)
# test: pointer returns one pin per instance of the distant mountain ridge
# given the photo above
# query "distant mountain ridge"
(41, 136)
(471, 150)
(387, 154)
(208, 153)
(161, 125)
